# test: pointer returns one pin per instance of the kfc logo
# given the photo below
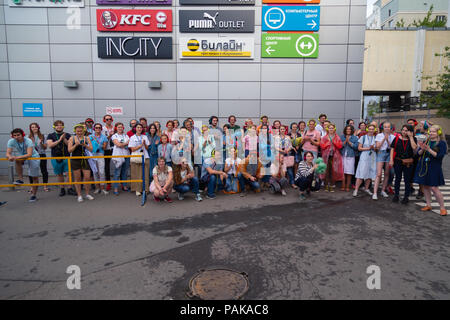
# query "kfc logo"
(109, 19)
(134, 20)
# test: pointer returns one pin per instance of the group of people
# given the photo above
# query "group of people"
(187, 157)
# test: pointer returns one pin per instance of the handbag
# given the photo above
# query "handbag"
(137, 160)
(407, 162)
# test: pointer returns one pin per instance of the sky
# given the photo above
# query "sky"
(369, 6)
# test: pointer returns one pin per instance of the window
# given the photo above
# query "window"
(391, 24)
(440, 18)
(390, 12)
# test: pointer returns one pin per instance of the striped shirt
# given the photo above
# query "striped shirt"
(304, 170)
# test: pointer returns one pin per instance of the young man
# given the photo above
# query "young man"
(321, 125)
(210, 175)
(133, 124)
(24, 148)
(89, 125)
(108, 131)
(58, 142)
(250, 171)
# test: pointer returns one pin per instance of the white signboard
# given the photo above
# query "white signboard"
(46, 3)
(114, 111)
(210, 47)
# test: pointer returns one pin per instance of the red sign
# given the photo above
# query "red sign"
(134, 20)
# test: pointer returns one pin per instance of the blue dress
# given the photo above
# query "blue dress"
(429, 169)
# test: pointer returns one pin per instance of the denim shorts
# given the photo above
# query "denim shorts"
(34, 167)
(383, 156)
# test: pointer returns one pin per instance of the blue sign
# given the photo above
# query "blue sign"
(291, 18)
(33, 110)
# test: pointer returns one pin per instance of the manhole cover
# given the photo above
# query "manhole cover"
(219, 284)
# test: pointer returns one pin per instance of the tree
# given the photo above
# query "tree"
(373, 107)
(427, 22)
(438, 90)
(401, 23)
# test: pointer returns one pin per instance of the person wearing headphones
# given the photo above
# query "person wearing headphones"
(429, 172)
(311, 139)
(132, 131)
(383, 143)
(264, 122)
(321, 125)
(24, 148)
(108, 131)
(40, 144)
(170, 131)
(58, 142)
(121, 165)
(305, 175)
(89, 126)
(78, 144)
(143, 121)
(99, 143)
(331, 145)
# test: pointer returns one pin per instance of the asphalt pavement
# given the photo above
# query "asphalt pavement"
(315, 249)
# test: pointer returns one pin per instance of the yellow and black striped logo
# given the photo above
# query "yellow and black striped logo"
(193, 45)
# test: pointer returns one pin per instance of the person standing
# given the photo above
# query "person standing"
(108, 131)
(321, 125)
(99, 143)
(24, 149)
(121, 165)
(165, 149)
(348, 152)
(331, 145)
(402, 160)
(311, 139)
(383, 142)
(138, 144)
(429, 172)
(78, 144)
(132, 131)
(89, 123)
(367, 166)
(40, 144)
(153, 144)
(169, 132)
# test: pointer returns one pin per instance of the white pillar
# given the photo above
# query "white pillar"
(419, 52)
(448, 15)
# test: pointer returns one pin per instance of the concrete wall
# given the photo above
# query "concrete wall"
(38, 52)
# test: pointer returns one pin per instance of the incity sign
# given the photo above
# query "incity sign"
(216, 47)
(134, 47)
(231, 21)
(46, 3)
(134, 20)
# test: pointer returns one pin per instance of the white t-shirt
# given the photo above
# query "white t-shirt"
(380, 138)
(107, 132)
(162, 176)
(137, 141)
(234, 163)
(184, 172)
(121, 138)
(275, 168)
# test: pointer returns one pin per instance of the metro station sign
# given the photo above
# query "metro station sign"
(111, 20)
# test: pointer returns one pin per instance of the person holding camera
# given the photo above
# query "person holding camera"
(58, 142)
(78, 144)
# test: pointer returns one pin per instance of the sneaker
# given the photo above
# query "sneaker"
(116, 193)
(80, 199)
(198, 197)
(2, 203)
(89, 197)
(210, 197)
(167, 199)
(180, 196)
(32, 199)
(368, 192)
(301, 197)
(419, 195)
(105, 192)
(395, 199)
(384, 194)
(157, 199)
(355, 193)
(374, 197)
(97, 191)
(283, 193)
(71, 192)
(243, 194)
(62, 193)
(443, 212)
(18, 182)
(331, 188)
(405, 200)
(138, 194)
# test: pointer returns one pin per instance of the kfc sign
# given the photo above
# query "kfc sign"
(134, 20)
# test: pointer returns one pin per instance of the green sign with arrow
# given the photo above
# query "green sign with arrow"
(290, 45)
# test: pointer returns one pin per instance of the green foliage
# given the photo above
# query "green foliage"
(401, 24)
(373, 108)
(428, 22)
(438, 90)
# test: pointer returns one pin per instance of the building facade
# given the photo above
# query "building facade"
(49, 57)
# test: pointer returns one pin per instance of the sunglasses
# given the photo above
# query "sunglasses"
(98, 128)
(89, 121)
(109, 119)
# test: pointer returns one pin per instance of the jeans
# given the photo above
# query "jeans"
(290, 173)
(304, 183)
(408, 176)
(122, 173)
(153, 164)
(211, 181)
(44, 170)
(191, 185)
(243, 181)
(100, 163)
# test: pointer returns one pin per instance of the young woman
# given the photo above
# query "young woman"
(250, 141)
(278, 181)
(108, 131)
(176, 124)
(139, 144)
(158, 128)
(165, 149)
(349, 151)
(331, 145)
(185, 180)
(402, 160)
(283, 146)
(162, 182)
(232, 164)
(296, 142)
(383, 143)
(311, 139)
(206, 144)
(153, 143)
(302, 128)
(77, 146)
(429, 168)
(362, 130)
(121, 165)
(40, 144)
(169, 132)
(367, 165)
(265, 154)
(99, 142)
(305, 175)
